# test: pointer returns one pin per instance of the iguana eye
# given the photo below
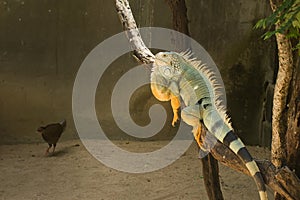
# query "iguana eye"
(164, 55)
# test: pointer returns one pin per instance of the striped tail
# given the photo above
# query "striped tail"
(223, 132)
(238, 147)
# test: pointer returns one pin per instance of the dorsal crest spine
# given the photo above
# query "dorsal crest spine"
(218, 90)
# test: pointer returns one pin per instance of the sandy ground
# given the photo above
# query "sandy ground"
(72, 173)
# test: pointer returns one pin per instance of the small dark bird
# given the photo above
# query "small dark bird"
(51, 134)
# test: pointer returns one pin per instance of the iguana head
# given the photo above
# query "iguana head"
(168, 64)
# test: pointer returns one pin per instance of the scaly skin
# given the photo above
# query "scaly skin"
(176, 77)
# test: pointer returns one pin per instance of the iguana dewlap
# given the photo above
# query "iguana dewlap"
(176, 77)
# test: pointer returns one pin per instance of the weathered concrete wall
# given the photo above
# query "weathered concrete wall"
(246, 62)
(43, 43)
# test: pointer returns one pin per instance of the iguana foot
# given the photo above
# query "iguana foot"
(175, 119)
(197, 135)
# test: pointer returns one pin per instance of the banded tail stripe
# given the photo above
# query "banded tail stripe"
(237, 146)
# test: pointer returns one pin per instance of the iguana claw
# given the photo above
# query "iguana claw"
(175, 119)
(173, 122)
(197, 135)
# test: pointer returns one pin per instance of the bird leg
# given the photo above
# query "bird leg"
(47, 150)
(54, 145)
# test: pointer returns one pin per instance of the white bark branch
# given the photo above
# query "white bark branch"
(141, 51)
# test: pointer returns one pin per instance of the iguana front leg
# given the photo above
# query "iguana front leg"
(175, 103)
(163, 93)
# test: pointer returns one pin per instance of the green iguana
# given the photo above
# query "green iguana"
(177, 77)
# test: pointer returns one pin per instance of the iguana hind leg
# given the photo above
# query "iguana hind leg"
(191, 116)
(197, 131)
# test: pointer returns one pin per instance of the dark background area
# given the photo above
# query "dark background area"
(44, 42)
